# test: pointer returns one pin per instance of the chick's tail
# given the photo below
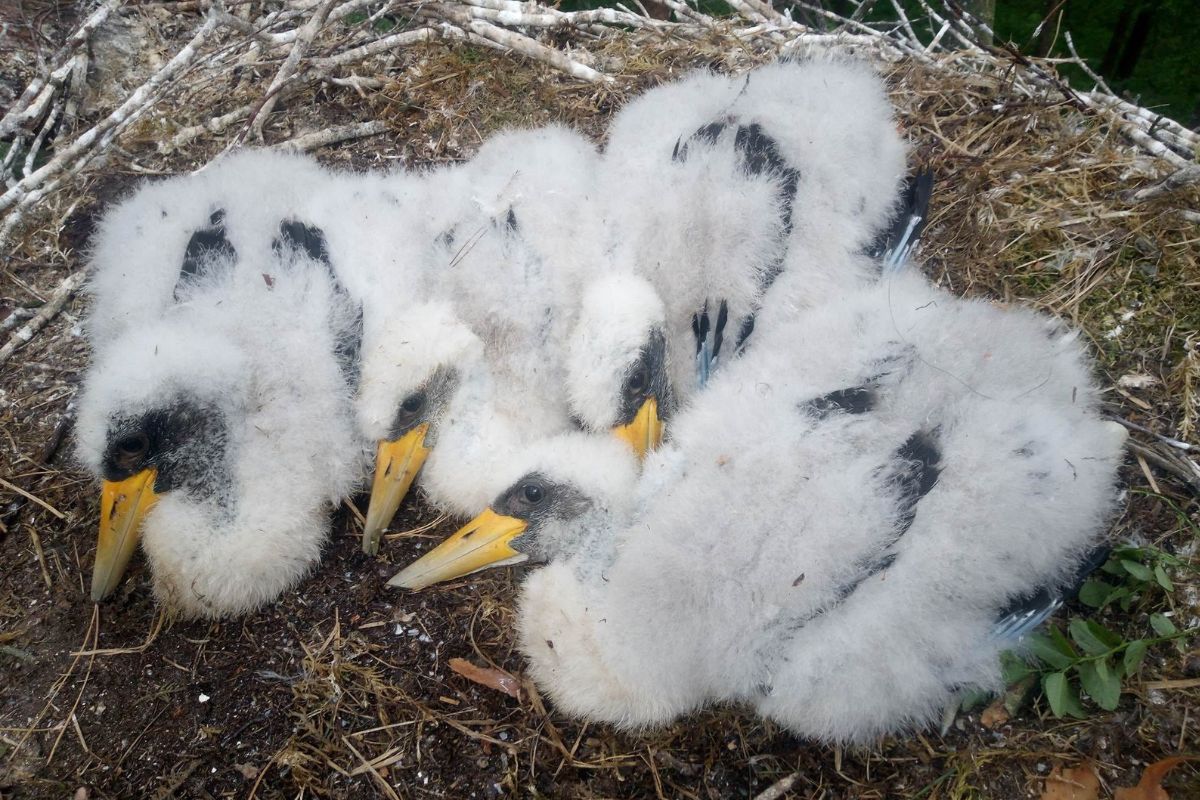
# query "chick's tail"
(1025, 614)
(895, 243)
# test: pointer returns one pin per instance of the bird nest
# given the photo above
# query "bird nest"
(1079, 203)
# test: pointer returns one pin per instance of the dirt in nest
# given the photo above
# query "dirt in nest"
(342, 688)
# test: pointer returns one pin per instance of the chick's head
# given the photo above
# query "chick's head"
(567, 498)
(617, 373)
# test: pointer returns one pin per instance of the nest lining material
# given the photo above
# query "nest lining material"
(1077, 202)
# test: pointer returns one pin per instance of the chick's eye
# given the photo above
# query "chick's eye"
(134, 445)
(532, 493)
(413, 403)
(637, 382)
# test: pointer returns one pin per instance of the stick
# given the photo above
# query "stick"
(57, 300)
(286, 70)
(133, 107)
(81, 35)
(1178, 179)
(526, 46)
(391, 42)
(1181, 468)
(12, 487)
(779, 788)
(341, 133)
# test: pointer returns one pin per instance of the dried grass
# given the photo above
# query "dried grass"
(342, 689)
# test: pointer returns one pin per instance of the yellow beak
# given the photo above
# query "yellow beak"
(123, 506)
(396, 465)
(645, 432)
(483, 542)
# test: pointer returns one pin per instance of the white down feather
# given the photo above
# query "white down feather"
(253, 351)
(766, 558)
(687, 217)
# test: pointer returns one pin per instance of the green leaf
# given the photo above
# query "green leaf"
(1160, 575)
(1061, 642)
(1095, 593)
(1129, 554)
(1013, 668)
(1162, 626)
(1101, 683)
(1048, 651)
(1062, 695)
(1138, 570)
(1113, 567)
(1087, 639)
(1104, 634)
(1134, 655)
(1056, 689)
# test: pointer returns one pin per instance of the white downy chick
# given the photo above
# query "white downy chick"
(374, 231)
(473, 360)
(784, 165)
(223, 433)
(149, 248)
(832, 532)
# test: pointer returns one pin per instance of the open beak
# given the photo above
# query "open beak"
(645, 432)
(123, 506)
(396, 464)
(483, 542)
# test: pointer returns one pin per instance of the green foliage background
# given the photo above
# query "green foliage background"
(1166, 76)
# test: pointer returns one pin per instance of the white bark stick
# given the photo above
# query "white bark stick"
(133, 107)
(288, 68)
(340, 133)
(24, 334)
(35, 87)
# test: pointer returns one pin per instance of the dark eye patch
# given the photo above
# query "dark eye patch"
(647, 378)
(423, 404)
(535, 497)
(185, 441)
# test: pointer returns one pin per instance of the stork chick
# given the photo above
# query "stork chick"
(791, 166)
(469, 366)
(222, 433)
(832, 532)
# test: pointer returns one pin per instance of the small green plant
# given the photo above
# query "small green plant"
(382, 24)
(1089, 656)
(1133, 572)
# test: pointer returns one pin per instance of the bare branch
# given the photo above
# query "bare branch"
(24, 334)
(287, 69)
(341, 133)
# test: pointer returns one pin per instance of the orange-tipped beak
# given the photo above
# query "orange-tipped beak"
(645, 433)
(481, 543)
(396, 465)
(123, 506)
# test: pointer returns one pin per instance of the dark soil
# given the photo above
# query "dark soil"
(342, 689)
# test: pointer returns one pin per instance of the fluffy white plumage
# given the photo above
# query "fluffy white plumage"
(834, 528)
(481, 344)
(141, 242)
(712, 188)
(235, 403)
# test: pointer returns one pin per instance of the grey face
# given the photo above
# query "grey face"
(185, 441)
(542, 503)
(426, 403)
(647, 378)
